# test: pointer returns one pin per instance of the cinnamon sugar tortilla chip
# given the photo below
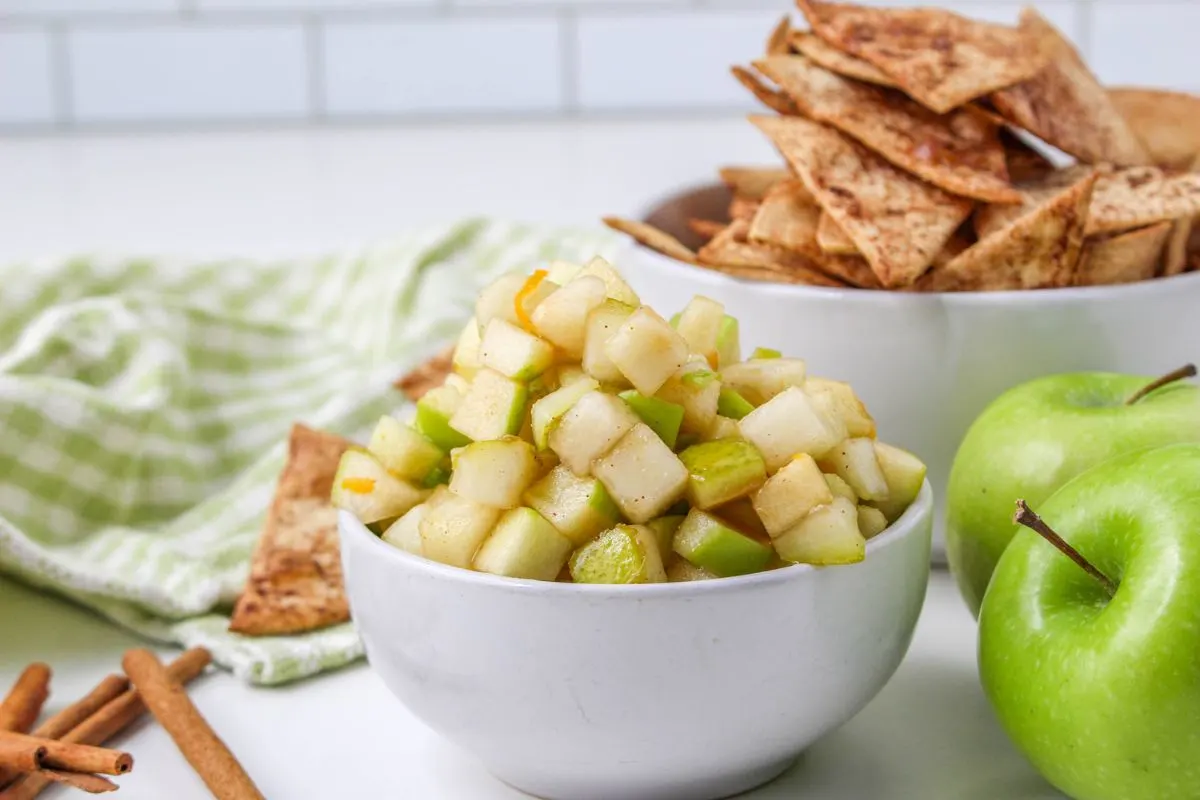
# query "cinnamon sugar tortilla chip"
(1123, 257)
(834, 60)
(1175, 257)
(1138, 196)
(1022, 159)
(939, 58)
(832, 239)
(741, 207)
(705, 228)
(897, 222)
(295, 582)
(427, 375)
(1065, 105)
(652, 237)
(959, 152)
(1166, 123)
(773, 99)
(1034, 193)
(752, 182)
(730, 251)
(779, 42)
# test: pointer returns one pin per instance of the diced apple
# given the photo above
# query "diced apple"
(871, 521)
(434, 411)
(453, 527)
(733, 405)
(682, 570)
(663, 418)
(624, 554)
(664, 532)
(546, 460)
(846, 403)
(741, 516)
(570, 373)
(904, 473)
(403, 451)
(721, 471)
(514, 353)
(615, 285)
(723, 428)
(707, 542)
(729, 344)
(366, 489)
(759, 380)
(493, 407)
(405, 532)
(457, 382)
(466, 350)
(762, 353)
(643, 476)
(696, 388)
(549, 410)
(602, 325)
(523, 545)
(578, 507)
(829, 535)
(854, 462)
(562, 272)
(839, 487)
(790, 494)
(589, 429)
(786, 425)
(494, 473)
(562, 317)
(827, 406)
(700, 324)
(646, 350)
(499, 299)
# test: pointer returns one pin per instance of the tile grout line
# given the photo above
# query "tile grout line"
(60, 76)
(314, 51)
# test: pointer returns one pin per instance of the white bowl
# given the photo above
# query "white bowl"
(656, 692)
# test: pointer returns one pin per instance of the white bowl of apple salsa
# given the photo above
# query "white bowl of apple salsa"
(613, 558)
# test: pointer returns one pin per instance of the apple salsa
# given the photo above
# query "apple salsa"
(581, 436)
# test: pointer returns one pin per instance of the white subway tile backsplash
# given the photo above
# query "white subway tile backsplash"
(89, 7)
(26, 88)
(189, 72)
(443, 66)
(1147, 43)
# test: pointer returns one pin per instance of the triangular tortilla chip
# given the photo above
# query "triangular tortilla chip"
(939, 58)
(705, 228)
(295, 582)
(731, 252)
(1166, 123)
(1066, 106)
(427, 375)
(959, 152)
(832, 239)
(652, 237)
(897, 222)
(1024, 162)
(834, 60)
(779, 42)
(773, 99)
(1124, 257)
(1138, 196)
(1036, 251)
(741, 207)
(752, 182)
(1175, 257)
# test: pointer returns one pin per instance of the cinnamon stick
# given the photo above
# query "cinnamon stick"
(20, 756)
(21, 707)
(92, 784)
(174, 710)
(59, 754)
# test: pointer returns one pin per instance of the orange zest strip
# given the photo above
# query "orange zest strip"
(531, 285)
(359, 485)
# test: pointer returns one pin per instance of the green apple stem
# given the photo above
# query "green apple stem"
(1026, 517)
(1186, 371)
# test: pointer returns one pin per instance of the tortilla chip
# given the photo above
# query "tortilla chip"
(705, 228)
(773, 99)
(649, 236)
(834, 60)
(430, 374)
(959, 152)
(897, 222)
(753, 183)
(1166, 123)
(1138, 196)
(731, 252)
(1124, 257)
(939, 58)
(1175, 257)
(1034, 193)
(295, 582)
(778, 43)
(743, 207)
(832, 239)
(1066, 106)
(1036, 251)
(1022, 159)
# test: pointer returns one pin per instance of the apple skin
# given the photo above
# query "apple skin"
(1033, 439)
(1103, 696)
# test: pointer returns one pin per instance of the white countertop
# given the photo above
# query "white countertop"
(929, 735)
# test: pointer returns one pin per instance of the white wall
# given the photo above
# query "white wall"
(105, 63)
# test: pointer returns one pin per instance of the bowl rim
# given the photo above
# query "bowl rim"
(906, 526)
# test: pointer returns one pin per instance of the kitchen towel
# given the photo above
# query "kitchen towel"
(145, 406)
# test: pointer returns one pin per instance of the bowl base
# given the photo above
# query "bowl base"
(569, 787)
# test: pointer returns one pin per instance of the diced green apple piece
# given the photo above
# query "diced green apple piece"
(729, 344)
(646, 350)
(763, 353)
(562, 272)
(664, 532)
(723, 428)
(570, 373)
(790, 494)
(663, 418)
(707, 542)
(453, 527)
(643, 476)
(458, 382)
(466, 351)
(434, 411)
(829, 535)
(624, 554)
(700, 324)
(733, 405)
(786, 425)
(403, 451)
(839, 487)
(696, 388)
(854, 461)
(846, 403)
(760, 380)
(366, 489)
(562, 317)
(602, 324)
(514, 353)
(871, 521)
(741, 516)
(523, 545)
(589, 429)
(578, 507)
(494, 473)
(615, 285)
(904, 473)
(549, 410)
(405, 532)
(721, 471)
(494, 406)
(499, 299)
(682, 570)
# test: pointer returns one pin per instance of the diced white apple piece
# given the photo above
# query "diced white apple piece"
(592, 426)
(523, 545)
(646, 350)
(741, 516)
(405, 532)
(494, 406)
(403, 451)
(761, 379)
(562, 317)
(854, 461)
(790, 494)
(904, 473)
(707, 542)
(514, 353)
(458, 382)
(699, 324)
(696, 388)
(549, 410)
(434, 411)
(499, 299)
(826, 405)
(723, 428)
(642, 475)
(615, 285)
(721, 471)
(578, 507)
(466, 351)
(453, 527)
(786, 425)
(664, 532)
(682, 570)
(571, 373)
(602, 325)
(367, 490)
(663, 418)
(624, 554)
(729, 343)
(494, 473)
(839, 487)
(562, 272)
(846, 403)
(829, 535)
(871, 521)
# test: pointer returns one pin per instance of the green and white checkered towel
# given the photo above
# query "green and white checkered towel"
(145, 405)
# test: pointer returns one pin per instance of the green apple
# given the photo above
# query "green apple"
(513, 352)
(663, 418)
(523, 545)
(578, 507)
(827, 535)
(624, 554)
(642, 475)
(761, 353)
(494, 406)
(493, 473)
(707, 542)
(365, 488)
(1095, 677)
(404, 452)
(1033, 439)
(733, 405)
(647, 350)
(434, 411)
(664, 532)
(721, 471)
(548, 410)
(792, 492)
